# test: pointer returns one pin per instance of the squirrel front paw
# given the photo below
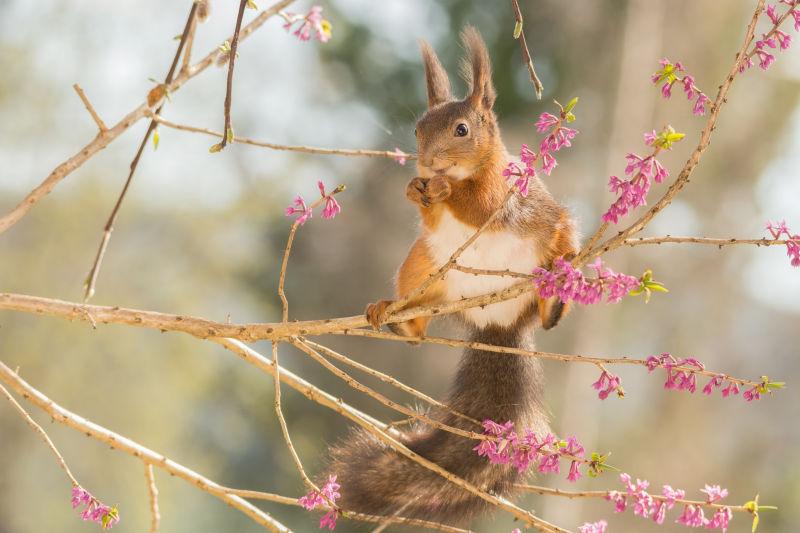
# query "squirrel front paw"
(376, 313)
(426, 191)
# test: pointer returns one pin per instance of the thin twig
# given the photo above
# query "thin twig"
(702, 240)
(284, 147)
(526, 55)
(124, 444)
(42, 433)
(91, 279)
(284, 429)
(388, 379)
(347, 378)
(90, 108)
(101, 141)
(227, 130)
(566, 358)
(286, 500)
(547, 491)
(152, 491)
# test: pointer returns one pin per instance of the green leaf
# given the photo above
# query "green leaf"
(252, 5)
(155, 139)
(216, 148)
(229, 135)
(776, 385)
(569, 117)
(517, 29)
(755, 522)
(571, 105)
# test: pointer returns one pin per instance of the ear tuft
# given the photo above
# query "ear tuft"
(436, 78)
(479, 67)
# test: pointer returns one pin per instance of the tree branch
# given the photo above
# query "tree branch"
(98, 143)
(124, 444)
(283, 147)
(90, 108)
(152, 491)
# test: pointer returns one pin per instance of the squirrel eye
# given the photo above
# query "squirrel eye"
(461, 130)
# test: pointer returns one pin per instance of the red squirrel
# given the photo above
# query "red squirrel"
(461, 157)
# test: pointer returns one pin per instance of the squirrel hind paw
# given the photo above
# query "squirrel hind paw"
(376, 313)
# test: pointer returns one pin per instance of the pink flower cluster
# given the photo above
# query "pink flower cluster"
(687, 379)
(310, 22)
(94, 511)
(400, 156)
(633, 192)
(521, 452)
(647, 506)
(558, 137)
(569, 283)
(608, 383)
(326, 497)
(668, 74)
(774, 39)
(305, 212)
(594, 527)
(778, 230)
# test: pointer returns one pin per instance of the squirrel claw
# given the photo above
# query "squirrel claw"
(376, 313)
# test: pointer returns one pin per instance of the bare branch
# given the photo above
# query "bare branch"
(234, 44)
(702, 240)
(124, 444)
(526, 54)
(90, 108)
(100, 142)
(284, 147)
(91, 279)
(42, 433)
(547, 491)
(152, 491)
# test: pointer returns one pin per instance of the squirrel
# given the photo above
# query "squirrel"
(461, 157)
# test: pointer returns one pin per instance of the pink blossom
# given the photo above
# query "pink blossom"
(329, 519)
(570, 284)
(692, 516)
(700, 105)
(712, 384)
(772, 15)
(721, 519)
(545, 122)
(327, 495)
(732, 388)
(714, 493)
(332, 207)
(619, 499)
(95, 511)
(606, 384)
(399, 156)
(310, 22)
(780, 229)
(299, 208)
(594, 527)
(521, 178)
(671, 495)
(752, 394)
(784, 39)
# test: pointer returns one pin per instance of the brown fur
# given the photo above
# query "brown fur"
(375, 479)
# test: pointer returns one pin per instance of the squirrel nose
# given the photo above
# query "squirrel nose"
(427, 160)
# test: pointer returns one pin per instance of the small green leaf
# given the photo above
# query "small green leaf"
(225, 47)
(229, 135)
(755, 522)
(776, 385)
(571, 105)
(569, 117)
(252, 5)
(155, 139)
(178, 37)
(517, 29)
(216, 148)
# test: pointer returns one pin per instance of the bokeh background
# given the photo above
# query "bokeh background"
(202, 234)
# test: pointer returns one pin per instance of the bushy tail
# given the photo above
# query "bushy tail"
(377, 480)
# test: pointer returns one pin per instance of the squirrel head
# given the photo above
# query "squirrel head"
(457, 138)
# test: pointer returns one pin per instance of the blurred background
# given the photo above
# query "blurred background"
(202, 234)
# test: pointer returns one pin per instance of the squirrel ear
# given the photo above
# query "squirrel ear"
(435, 76)
(478, 69)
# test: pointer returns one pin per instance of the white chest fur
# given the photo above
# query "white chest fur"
(495, 250)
